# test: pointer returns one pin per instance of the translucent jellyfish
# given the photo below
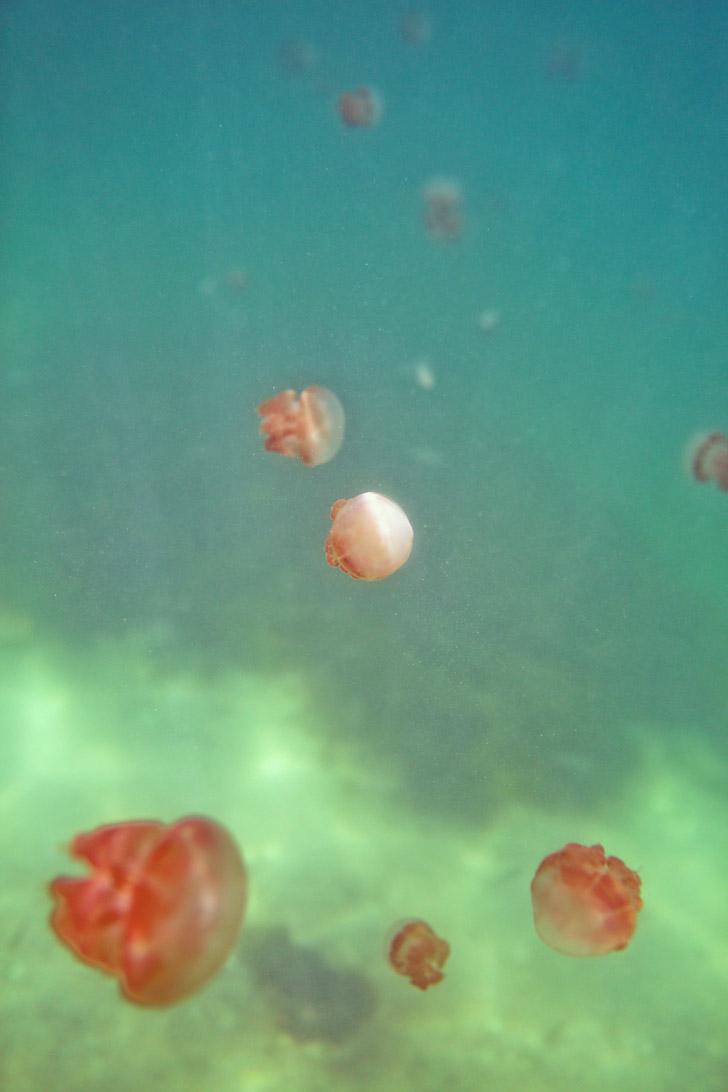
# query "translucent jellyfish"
(236, 280)
(565, 63)
(424, 375)
(706, 458)
(297, 56)
(585, 904)
(309, 428)
(489, 320)
(417, 953)
(361, 108)
(370, 538)
(161, 909)
(415, 28)
(443, 209)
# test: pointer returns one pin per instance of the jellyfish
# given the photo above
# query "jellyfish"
(706, 458)
(415, 28)
(565, 63)
(585, 904)
(160, 911)
(361, 108)
(418, 953)
(443, 209)
(370, 538)
(297, 56)
(424, 375)
(310, 428)
(489, 320)
(236, 281)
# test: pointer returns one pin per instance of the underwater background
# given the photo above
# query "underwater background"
(187, 228)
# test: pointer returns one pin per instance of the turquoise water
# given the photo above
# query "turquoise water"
(187, 228)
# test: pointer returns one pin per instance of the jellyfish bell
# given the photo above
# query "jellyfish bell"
(584, 903)
(415, 28)
(370, 537)
(424, 375)
(296, 56)
(706, 458)
(565, 63)
(421, 373)
(489, 320)
(162, 907)
(361, 108)
(309, 428)
(416, 952)
(443, 208)
(236, 281)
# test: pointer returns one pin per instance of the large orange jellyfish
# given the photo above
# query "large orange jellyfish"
(361, 108)
(370, 538)
(161, 909)
(418, 953)
(706, 458)
(585, 904)
(310, 428)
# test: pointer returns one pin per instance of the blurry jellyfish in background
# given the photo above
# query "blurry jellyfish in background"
(424, 375)
(417, 953)
(415, 28)
(428, 458)
(207, 287)
(706, 458)
(585, 904)
(309, 428)
(236, 281)
(370, 538)
(361, 108)
(162, 908)
(489, 320)
(443, 209)
(565, 63)
(297, 56)
(643, 287)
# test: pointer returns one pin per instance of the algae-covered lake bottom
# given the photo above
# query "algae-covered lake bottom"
(336, 855)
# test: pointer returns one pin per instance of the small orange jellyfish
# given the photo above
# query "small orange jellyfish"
(361, 108)
(585, 904)
(310, 428)
(706, 458)
(443, 209)
(161, 909)
(371, 537)
(418, 953)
